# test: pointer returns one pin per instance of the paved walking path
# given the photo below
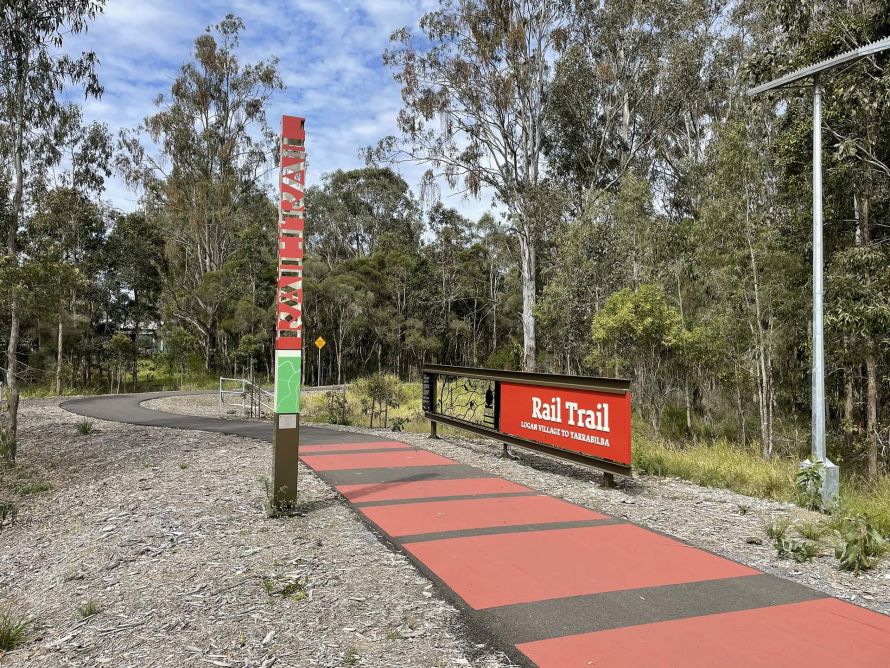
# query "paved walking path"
(555, 584)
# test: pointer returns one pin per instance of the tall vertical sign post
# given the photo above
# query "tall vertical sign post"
(289, 309)
(830, 473)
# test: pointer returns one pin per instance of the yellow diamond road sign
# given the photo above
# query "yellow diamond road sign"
(319, 343)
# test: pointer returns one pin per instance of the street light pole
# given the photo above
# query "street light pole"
(830, 472)
(818, 353)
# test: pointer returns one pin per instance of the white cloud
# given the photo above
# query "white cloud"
(330, 58)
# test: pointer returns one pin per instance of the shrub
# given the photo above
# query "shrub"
(380, 392)
(8, 511)
(88, 609)
(337, 406)
(811, 530)
(15, 629)
(777, 529)
(85, 427)
(861, 545)
(808, 482)
(275, 504)
(803, 552)
(785, 547)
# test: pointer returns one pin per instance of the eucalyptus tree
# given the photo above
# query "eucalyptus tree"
(353, 211)
(621, 87)
(474, 92)
(135, 252)
(214, 148)
(33, 72)
(68, 231)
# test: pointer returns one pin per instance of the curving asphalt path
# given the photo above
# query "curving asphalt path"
(557, 585)
(128, 408)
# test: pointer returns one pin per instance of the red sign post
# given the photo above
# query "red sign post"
(289, 309)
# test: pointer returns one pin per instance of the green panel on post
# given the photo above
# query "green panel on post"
(287, 381)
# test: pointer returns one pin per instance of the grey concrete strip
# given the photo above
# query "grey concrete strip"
(355, 452)
(401, 474)
(512, 528)
(554, 618)
(459, 497)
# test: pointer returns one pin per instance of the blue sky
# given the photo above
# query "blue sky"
(330, 52)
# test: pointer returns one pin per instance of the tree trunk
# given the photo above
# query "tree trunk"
(12, 388)
(527, 256)
(764, 364)
(871, 414)
(848, 411)
(741, 407)
(135, 339)
(12, 399)
(59, 360)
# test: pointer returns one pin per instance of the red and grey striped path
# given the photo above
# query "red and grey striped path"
(558, 585)
(568, 586)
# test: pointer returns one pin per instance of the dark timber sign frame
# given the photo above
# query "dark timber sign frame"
(583, 419)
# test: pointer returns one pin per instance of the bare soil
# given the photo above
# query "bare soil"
(164, 532)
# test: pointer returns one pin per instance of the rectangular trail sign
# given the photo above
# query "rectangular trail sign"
(584, 421)
(580, 418)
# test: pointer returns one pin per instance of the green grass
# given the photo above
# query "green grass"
(294, 588)
(813, 531)
(15, 629)
(85, 427)
(151, 377)
(742, 470)
(90, 608)
(871, 500)
(719, 465)
(776, 529)
(27, 489)
(352, 657)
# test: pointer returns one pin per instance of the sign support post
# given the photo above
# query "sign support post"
(289, 311)
(319, 343)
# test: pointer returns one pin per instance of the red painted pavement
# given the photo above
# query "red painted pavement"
(524, 567)
(375, 460)
(424, 489)
(435, 516)
(501, 569)
(373, 445)
(825, 632)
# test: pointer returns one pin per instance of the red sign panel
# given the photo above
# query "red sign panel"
(291, 212)
(588, 422)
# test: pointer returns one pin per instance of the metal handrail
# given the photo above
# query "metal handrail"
(255, 400)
